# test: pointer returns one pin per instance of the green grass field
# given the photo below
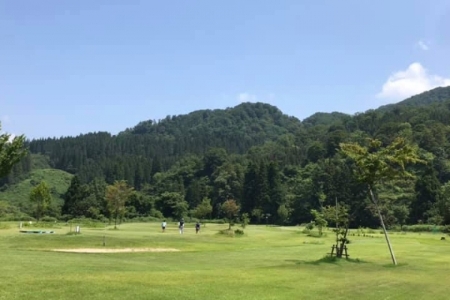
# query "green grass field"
(265, 263)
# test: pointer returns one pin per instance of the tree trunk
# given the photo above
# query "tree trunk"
(374, 200)
(340, 251)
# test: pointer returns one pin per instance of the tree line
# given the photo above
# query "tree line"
(276, 168)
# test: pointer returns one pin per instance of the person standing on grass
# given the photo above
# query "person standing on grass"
(163, 226)
(197, 227)
(181, 226)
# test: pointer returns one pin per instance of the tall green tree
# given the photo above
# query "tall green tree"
(230, 209)
(75, 194)
(204, 209)
(12, 150)
(375, 164)
(116, 196)
(41, 197)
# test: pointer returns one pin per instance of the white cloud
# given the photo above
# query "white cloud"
(246, 97)
(412, 81)
(423, 45)
(11, 137)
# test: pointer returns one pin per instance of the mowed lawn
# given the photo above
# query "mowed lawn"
(265, 263)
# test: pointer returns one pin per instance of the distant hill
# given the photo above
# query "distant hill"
(18, 194)
(251, 153)
(436, 95)
(250, 121)
(321, 118)
(151, 146)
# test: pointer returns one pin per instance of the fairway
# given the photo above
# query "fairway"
(265, 263)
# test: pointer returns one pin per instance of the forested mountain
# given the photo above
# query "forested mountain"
(276, 167)
(439, 94)
(321, 118)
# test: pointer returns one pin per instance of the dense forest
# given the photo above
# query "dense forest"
(276, 167)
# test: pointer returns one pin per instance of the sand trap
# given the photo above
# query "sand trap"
(118, 250)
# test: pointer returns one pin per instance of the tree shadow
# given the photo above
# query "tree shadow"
(395, 266)
(327, 260)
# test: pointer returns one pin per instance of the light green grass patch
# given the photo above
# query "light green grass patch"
(265, 263)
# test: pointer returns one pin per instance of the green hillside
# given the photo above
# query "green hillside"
(437, 95)
(271, 164)
(18, 194)
(321, 118)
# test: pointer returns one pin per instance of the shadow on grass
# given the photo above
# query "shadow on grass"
(392, 266)
(328, 260)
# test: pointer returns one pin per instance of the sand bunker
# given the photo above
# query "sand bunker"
(118, 250)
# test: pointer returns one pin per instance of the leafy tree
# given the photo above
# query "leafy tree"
(204, 209)
(319, 220)
(75, 194)
(375, 164)
(230, 210)
(245, 219)
(173, 204)
(41, 197)
(117, 196)
(427, 191)
(443, 203)
(12, 150)
(283, 214)
(340, 216)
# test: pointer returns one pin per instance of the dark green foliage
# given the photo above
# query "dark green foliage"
(239, 232)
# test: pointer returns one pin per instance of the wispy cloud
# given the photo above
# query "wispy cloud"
(423, 45)
(414, 80)
(246, 97)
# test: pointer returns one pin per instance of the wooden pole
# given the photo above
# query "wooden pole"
(374, 200)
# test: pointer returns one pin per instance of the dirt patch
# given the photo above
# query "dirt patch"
(118, 250)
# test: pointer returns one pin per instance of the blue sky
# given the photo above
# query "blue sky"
(71, 67)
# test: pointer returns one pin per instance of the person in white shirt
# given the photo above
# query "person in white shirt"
(163, 226)
(181, 226)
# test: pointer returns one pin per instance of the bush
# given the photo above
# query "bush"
(310, 226)
(227, 232)
(306, 231)
(147, 219)
(156, 214)
(48, 219)
(316, 234)
(41, 225)
(215, 221)
(424, 228)
(17, 217)
(239, 232)
(86, 222)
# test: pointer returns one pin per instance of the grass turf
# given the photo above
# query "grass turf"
(265, 263)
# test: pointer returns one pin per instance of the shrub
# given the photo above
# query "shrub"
(48, 219)
(239, 232)
(227, 232)
(423, 228)
(156, 213)
(316, 234)
(86, 222)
